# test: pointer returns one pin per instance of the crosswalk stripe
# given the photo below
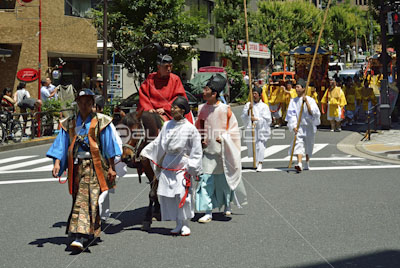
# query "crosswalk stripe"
(324, 168)
(274, 149)
(43, 168)
(49, 180)
(317, 147)
(16, 158)
(25, 164)
(250, 160)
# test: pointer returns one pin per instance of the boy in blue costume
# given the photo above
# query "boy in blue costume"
(86, 146)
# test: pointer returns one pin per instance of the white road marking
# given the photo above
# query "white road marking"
(16, 158)
(244, 171)
(250, 160)
(325, 168)
(274, 149)
(50, 180)
(317, 147)
(44, 168)
(25, 164)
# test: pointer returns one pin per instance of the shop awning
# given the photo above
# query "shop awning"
(57, 54)
(5, 52)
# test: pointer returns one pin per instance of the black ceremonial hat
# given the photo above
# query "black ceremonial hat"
(217, 83)
(182, 103)
(258, 90)
(164, 59)
(301, 82)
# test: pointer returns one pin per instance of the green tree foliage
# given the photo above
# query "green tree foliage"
(135, 25)
(230, 26)
(285, 25)
(345, 23)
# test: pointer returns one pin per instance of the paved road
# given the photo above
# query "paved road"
(341, 213)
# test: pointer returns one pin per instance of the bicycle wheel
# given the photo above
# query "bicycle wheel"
(16, 131)
(2, 134)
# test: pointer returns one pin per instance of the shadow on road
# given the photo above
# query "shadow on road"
(124, 220)
(59, 240)
(384, 259)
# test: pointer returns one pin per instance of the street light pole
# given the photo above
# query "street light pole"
(105, 60)
(384, 106)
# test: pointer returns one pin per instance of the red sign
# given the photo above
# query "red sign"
(28, 75)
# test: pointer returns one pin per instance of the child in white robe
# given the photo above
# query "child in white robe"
(176, 154)
(308, 125)
(221, 181)
(262, 121)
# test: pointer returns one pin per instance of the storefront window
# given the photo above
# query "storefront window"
(77, 8)
(7, 4)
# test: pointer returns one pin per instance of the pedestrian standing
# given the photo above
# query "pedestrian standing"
(87, 147)
(305, 134)
(261, 120)
(7, 102)
(335, 99)
(176, 154)
(221, 181)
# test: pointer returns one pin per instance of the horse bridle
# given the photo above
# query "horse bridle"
(135, 150)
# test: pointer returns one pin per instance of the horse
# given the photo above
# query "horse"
(144, 127)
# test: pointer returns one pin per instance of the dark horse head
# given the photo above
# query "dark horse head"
(143, 128)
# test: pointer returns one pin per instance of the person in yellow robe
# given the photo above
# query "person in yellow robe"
(335, 101)
(289, 93)
(274, 95)
(350, 94)
(368, 98)
(312, 92)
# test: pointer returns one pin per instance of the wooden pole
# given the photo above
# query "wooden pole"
(309, 78)
(250, 84)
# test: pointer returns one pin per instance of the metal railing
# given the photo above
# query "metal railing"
(12, 125)
(372, 120)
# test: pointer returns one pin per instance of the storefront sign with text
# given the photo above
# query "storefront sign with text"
(27, 75)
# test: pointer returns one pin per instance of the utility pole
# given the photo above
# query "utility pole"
(384, 106)
(105, 60)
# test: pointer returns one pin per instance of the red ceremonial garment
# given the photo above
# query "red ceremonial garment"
(157, 92)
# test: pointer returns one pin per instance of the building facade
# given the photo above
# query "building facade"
(67, 36)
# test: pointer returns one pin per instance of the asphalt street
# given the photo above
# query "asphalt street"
(341, 213)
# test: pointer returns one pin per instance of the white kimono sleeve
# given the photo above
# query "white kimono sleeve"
(316, 113)
(291, 115)
(245, 115)
(196, 154)
(155, 151)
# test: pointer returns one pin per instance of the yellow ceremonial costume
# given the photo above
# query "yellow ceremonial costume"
(264, 94)
(350, 93)
(368, 96)
(336, 100)
(311, 92)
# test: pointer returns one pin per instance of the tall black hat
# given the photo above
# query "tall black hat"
(258, 90)
(301, 82)
(164, 59)
(216, 83)
(99, 101)
(182, 103)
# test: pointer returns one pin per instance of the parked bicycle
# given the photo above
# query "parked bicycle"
(11, 127)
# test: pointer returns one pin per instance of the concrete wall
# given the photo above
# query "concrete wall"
(60, 33)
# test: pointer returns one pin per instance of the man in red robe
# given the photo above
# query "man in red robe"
(160, 89)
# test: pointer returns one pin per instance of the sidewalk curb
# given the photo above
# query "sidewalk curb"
(352, 145)
(360, 147)
(25, 144)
